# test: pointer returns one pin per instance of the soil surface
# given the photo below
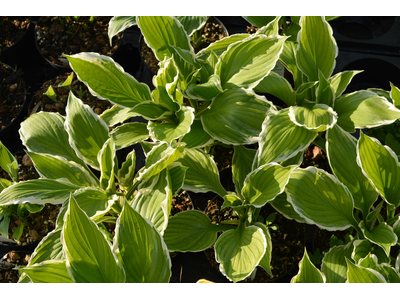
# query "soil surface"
(58, 35)
(12, 29)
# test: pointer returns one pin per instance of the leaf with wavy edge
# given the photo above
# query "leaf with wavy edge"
(318, 117)
(281, 139)
(363, 247)
(358, 274)
(238, 66)
(89, 256)
(283, 206)
(50, 271)
(342, 154)
(87, 131)
(94, 201)
(340, 81)
(129, 134)
(317, 49)
(117, 114)
(239, 251)
(236, 116)
(334, 263)
(265, 262)
(265, 183)
(381, 235)
(140, 248)
(197, 137)
(364, 109)
(381, 166)
(321, 199)
(192, 231)
(111, 82)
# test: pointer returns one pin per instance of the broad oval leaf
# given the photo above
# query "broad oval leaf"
(334, 263)
(111, 81)
(205, 91)
(141, 249)
(202, 174)
(129, 134)
(281, 139)
(192, 231)
(362, 248)
(308, 273)
(236, 116)
(364, 109)
(317, 49)
(117, 114)
(197, 137)
(342, 155)
(37, 191)
(358, 274)
(285, 208)
(40, 131)
(265, 183)
(381, 235)
(244, 64)
(87, 131)
(239, 251)
(381, 166)
(318, 117)
(89, 256)
(93, 201)
(321, 199)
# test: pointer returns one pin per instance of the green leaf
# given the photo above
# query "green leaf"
(358, 274)
(17, 233)
(192, 231)
(363, 247)
(395, 95)
(241, 165)
(160, 32)
(8, 162)
(334, 263)
(93, 201)
(202, 174)
(390, 274)
(169, 131)
(288, 59)
(381, 166)
(364, 109)
(220, 46)
(382, 235)
(238, 66)
(140, 248)
(265, 183)
(117, 114)
(119, 24)
(281, 139)
(283, 206)
(153, 200)
(235, 116)
(205, 91)
(87, 131)
(342, 154)
(39, 132)
(239, 251)
(340, 81)
(129, 134)
(89, 257)
(177, 174)
(111, 82)
(50, 271)
(159, 158)
(152, 110)
(197, 137)
(49, 248)
(127, 172)
(318, 117)
(272, 28)
(37, 191)
(265, 262)
(317, 48)
(259, 21)
(321, 199)
(192, 23)
(325, 93)
(107, 159)
(308, 273)
(278, 86)
(58, 167)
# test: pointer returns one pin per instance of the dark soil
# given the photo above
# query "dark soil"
(12, 29)
(12, 94)
(42, 102)
(58, 35)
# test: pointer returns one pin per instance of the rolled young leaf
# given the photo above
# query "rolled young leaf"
(235, 116)
(89, 256)
(317, 49)
(244, 64)
(8, 162)
(381, 166)
(87, 131)
(239, 251)
(140, 248)
(321, 199)
(111, 81)
(192, 231)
